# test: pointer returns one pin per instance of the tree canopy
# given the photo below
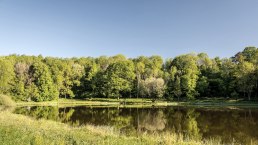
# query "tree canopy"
(186, 76)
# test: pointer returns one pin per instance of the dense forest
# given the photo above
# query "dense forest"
(190, 76)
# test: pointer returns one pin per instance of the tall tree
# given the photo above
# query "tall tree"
(139, 67)
(6, 76)
(46, 90)
(187, 70)
(152, 88)
(246, 78)
(120, 76)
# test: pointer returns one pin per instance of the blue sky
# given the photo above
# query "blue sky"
(131, 27)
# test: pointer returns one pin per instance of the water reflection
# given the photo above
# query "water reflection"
(152, 120)
(227, 124)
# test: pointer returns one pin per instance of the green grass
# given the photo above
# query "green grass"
(219, 102)
(18, 129)
(95, 101)
(6, 100)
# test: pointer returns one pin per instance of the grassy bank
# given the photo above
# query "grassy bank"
(220, 102)
(217, 102)
(17, 129)
(96, 101)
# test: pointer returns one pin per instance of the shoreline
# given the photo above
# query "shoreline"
(140, 103)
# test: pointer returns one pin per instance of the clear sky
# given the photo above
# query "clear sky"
(68, 28)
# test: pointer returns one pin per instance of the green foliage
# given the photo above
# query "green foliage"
(45, 90)
(177, 88)
(202, 85)
(88, 86)
(120, 76)
(185, 68)
(6, 76)
(35, 78)
(23, 80)
(246, 77)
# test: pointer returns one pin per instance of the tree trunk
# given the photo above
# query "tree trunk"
(249, 95)
(256, 92)
(138, 85)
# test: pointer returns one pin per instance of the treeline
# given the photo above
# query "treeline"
(190, 76)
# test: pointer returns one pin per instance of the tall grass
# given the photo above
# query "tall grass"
(19, 129)
(6, 100)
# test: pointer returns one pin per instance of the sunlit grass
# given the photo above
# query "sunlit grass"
(94, 101)
(140, 102)
(6, 100)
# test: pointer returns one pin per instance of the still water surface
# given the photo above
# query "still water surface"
(239, 124)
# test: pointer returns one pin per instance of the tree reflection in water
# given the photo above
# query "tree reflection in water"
(198, 123)
(152, 120)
